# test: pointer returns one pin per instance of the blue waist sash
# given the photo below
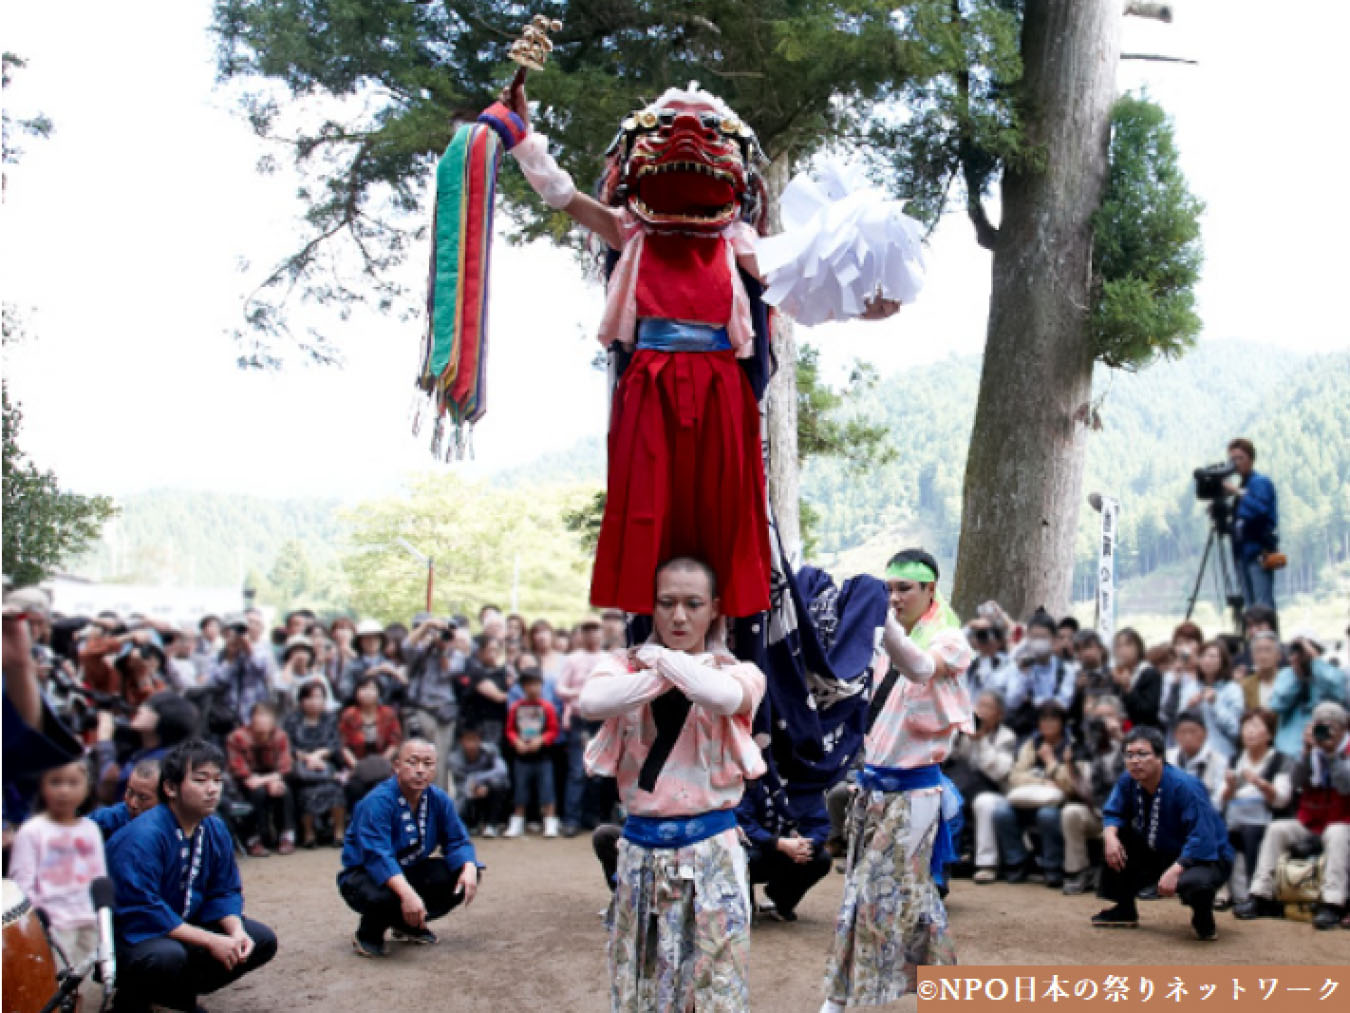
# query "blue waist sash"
(679, 831)
(677, 336)
(873, 778)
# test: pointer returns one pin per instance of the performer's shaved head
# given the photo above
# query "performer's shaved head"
(690, 563)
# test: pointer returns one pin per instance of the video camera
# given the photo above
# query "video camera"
(1209, 481)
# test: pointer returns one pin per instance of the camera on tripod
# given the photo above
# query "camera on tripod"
(1209, 481)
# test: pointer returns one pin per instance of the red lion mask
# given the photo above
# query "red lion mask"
(686, 163)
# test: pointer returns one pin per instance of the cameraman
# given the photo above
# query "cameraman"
(1035, 675)
(1255, 520)
(1306, 682)
(430, 701)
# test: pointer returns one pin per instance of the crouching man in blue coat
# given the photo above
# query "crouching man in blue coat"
(389, 876)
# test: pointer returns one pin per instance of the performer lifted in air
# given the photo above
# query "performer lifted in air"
(892, 917)
(683, 206)
(677, 737)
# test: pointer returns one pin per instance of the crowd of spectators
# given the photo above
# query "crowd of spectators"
(310, 715)
(1259, 721)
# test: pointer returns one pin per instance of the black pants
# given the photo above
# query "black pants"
(379, 907)
(1248, 841)
(1196, 886)
(785, 881)
(489, 810)
(270, 811)
(170, 973)
(605, 842)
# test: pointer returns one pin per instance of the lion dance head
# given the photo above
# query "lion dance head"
(686, 163)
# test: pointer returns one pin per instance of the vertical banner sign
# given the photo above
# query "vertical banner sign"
(1106, 572)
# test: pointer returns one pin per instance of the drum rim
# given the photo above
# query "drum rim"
(18, 911)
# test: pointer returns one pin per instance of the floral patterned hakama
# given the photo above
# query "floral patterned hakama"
(679, 928)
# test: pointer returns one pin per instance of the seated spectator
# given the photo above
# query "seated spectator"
(786, 834)
(1322, 774)
(1213, 695)
(481, 781)
(371, 734)
(142, 793)
(531, 727)
(242, 676)
(370, 660)
(1043, 777)
(1093, 678)
(260, 760)
(55, 857)
(1159, 826)
(1266, 658)
(159, 724)
(1180, 681)
(179, 921)
(486, 685)
(298, 623)
(123, 664)
(1081, 821)
(1257, 789)
(1192, 753)
(342, 632)
(979, 765)
(1306, 682)
(389, 876)
(1037, 674)
(1138, 683)
(316, 767)
(989, 640)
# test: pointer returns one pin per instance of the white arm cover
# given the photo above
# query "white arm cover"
(551, 182)
(609, 693)
(912, 661)
(705, 685)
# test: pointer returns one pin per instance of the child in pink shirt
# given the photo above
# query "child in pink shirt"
(56, 856)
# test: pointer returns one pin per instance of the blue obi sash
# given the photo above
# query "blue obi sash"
(677, 336)
(678, 831)
(890, 779)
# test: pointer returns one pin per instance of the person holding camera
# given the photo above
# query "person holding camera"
(989, 639)
(1081, 820)
(1300, 686)
(430, 705)
(1038, 674)
(1322, 775)
(1255, 520)
(242, 677)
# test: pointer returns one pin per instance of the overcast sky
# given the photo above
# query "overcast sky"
(125, 232)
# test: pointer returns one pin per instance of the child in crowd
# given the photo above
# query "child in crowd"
(531, 727)
(56, 856)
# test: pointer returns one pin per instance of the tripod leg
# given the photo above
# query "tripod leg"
(1200, 574)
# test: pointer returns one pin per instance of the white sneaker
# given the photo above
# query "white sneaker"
(516, 827)
(491, 830)
(550, 826)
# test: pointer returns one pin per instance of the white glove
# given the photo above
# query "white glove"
(550, 181)
(706, 685)
(608, 693)
(911, 660)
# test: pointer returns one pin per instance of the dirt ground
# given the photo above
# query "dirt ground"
(533, 939)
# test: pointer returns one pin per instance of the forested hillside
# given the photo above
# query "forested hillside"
(1157, 426)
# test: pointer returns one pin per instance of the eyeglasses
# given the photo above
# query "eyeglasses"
(1138, 757)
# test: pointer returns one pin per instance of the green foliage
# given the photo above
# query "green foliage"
(44, 525)
(585, 521)
(804, 73)
(823, 431)
(1143, 455)
(475, 533)
(37, 125)
(1146, 244)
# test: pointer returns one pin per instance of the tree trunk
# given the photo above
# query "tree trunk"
(1024, 469)
(780, 401)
